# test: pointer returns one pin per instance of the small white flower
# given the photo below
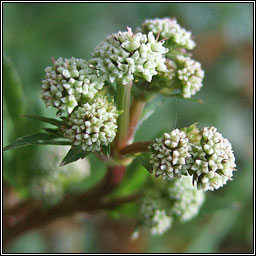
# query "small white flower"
(161, 222)
(189, 74)
(213, 160)
(124, 56)
(186, 199)
(69, 80)
(169, 29)
(93, 124)
(154, 216)
(169, 155)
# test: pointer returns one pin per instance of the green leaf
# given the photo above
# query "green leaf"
(144, 160)
(14, 97)
(106, 150)
(52, 121)
(12, 88)
(54, 132)
(74, 154)
(36, 139)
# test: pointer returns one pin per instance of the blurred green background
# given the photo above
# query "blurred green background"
(32, 33)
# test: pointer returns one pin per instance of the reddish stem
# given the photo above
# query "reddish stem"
(16, 223)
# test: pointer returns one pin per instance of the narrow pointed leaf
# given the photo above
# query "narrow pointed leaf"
(54, 132)
(74, 154)
(52, 121)
(36, 139)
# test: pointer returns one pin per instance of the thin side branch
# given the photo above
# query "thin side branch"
(137, 147)
(23, 218)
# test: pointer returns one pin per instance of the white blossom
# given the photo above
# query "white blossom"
(186, 199)
(154, 216)
(69, 80)
(169, 155)
(213, 160)
(93, 124)
(167, 28)
(124, 56)
(189, 74)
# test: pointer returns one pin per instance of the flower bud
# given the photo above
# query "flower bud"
(189, 75)
(154, 216)
(93, 124)
(213, 160)
(123, 56)
(186, 199)
(169, 155)
(67, 81)
(171, 31)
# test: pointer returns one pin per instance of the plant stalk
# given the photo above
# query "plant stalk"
(135, 113)
(123, 104)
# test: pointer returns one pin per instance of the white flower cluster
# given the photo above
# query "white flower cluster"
(202, 153)
(213, 160)
(124, 56)
(93, 124)
(169, 155)
(160, 222)
(154, 217)
(67, 81)
(190, 74)
(187, 200)
(169, 29)
(175, 200)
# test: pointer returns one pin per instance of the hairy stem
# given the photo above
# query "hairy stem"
(137, 147)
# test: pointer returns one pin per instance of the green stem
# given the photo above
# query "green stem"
(123, 104)
(135, 113)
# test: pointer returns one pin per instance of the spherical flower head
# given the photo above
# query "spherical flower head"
(93, 124)
(67, 81)
(124, 56)
(189, 75)
(187, 200)
(169, 155)
(46, 189)
(166, 28)
(154, 216)
(161, 222)
(213, 160)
